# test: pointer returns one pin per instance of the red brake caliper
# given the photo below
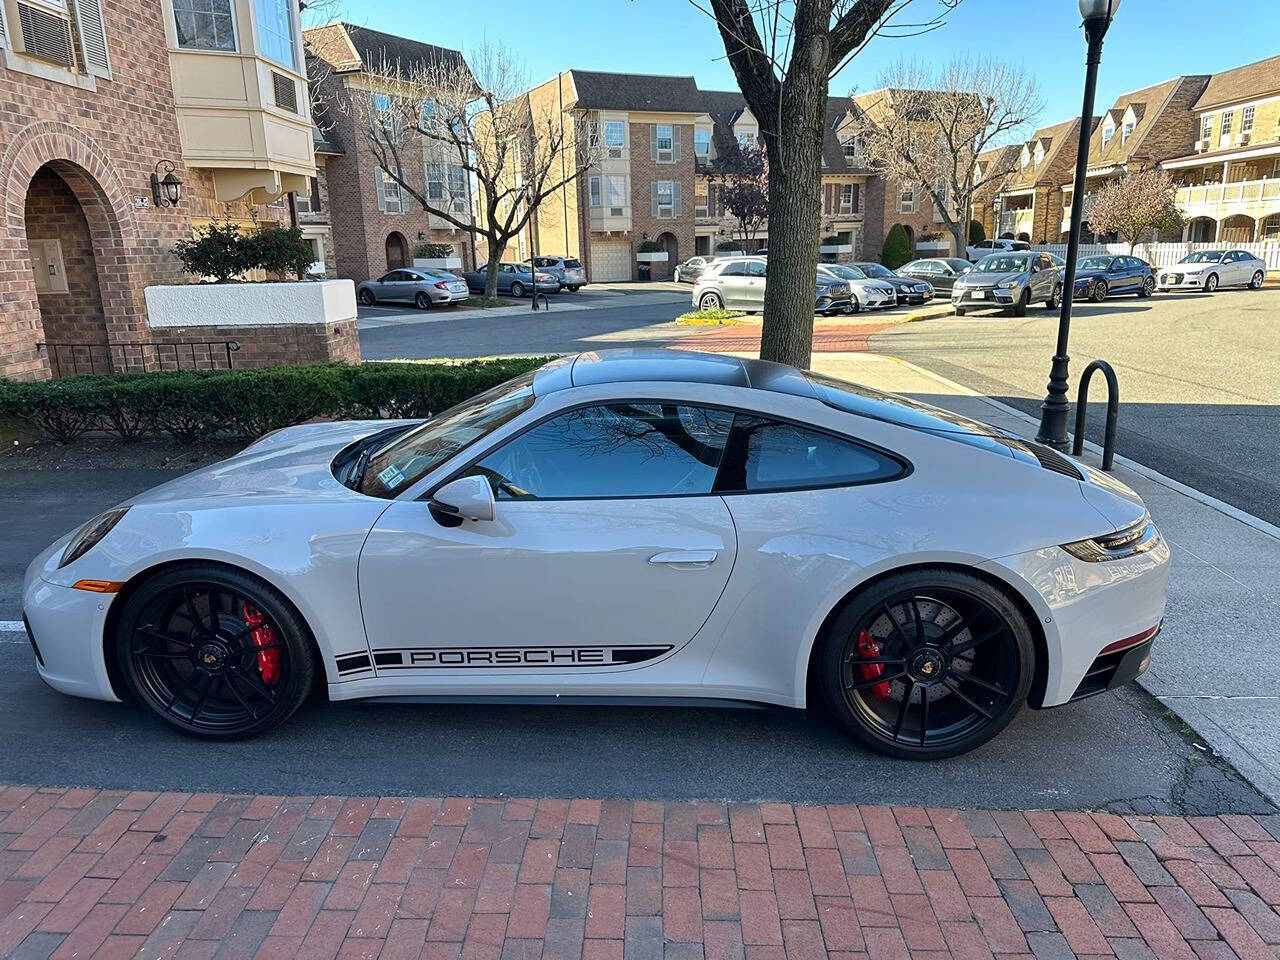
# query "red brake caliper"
(868, 647)
(264, 636)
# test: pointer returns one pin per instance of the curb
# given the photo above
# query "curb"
(929, 313)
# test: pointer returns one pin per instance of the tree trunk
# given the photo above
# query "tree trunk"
(795, 211)
(491, 268)
(960, 234)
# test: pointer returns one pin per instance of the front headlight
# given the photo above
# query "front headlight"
(90, 534)
(1006, 284)
(1131, 540)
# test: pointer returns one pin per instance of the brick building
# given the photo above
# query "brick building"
(1030, 199)
(375, 225)
(993, 169)
(92, 97)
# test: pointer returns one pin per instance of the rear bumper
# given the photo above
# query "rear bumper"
(449, 296)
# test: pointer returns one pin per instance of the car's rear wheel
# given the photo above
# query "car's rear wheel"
(1211, 283)
(710, 301)
(367, 297)
(1148, 287)
(1255, 282)
(213, 651)
(517, 289)
(422, 301)
(927, 664)
(1099, 291)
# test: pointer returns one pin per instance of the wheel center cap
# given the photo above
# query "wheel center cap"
(212, 656)
(926, 665)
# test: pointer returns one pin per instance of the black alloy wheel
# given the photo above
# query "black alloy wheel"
(927, 664)
(1055, 298)
(367, 297)
(422, 301)
(214, 652)
(1099, 291)
(1020, 308)
(1148, 287)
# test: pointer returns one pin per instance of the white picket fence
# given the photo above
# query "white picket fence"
(1166, 254)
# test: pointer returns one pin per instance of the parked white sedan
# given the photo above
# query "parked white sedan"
(1208, 270)
(638, 524)
(865, 293)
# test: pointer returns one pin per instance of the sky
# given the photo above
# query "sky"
(1149, 41)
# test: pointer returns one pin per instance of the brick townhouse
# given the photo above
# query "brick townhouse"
(92, 97)
(992, 170)
(1030, 199)
(657, 140)
(376, 226)
(1230, 164)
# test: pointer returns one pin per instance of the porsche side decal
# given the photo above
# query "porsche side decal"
(430, 658)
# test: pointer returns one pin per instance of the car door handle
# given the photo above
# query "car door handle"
(686, 558)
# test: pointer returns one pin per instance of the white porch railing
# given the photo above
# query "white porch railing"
(1166, 254)
(1223, 195)
(1017, 221)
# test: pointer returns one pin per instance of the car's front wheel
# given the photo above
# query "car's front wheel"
(1020, 308)
(1099, 291)
(1211, 283)
(927, 664)
(1255, 282)
(214, 651)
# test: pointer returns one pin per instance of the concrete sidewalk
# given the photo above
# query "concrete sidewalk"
(1216, 664)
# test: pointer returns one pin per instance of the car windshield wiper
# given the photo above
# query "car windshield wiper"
(356, 476)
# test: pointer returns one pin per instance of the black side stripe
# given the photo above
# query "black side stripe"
(352, 662)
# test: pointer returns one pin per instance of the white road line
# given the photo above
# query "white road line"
(12, 626)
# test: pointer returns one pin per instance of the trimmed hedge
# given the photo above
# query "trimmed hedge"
(190, 405)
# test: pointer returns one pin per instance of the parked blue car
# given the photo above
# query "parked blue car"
(1099, 277)
(514, 279)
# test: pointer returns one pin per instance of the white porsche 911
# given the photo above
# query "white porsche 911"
(629, 524)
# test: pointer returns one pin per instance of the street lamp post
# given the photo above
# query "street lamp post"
(1097, 16)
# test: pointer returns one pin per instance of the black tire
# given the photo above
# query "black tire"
(1020, 308)
(517, 289)
(422, 301)
(972, 681)
(1211, 283)
(189, 653)
(573, 289)
(710, 301)
(1100, 291)
(1055, 298)
(1148, 287)
(367, 297)
(1255, 282)
(960, 311)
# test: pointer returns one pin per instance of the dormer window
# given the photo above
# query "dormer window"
(1126, 131)
(1039, 156)
(851, 148)
(1025, 158)
(745, 140)
(1108, 131)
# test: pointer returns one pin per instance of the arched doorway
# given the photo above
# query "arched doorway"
(1238, 229)
(672, 248)
(397, 250)
(64, 269)
(1201, 230)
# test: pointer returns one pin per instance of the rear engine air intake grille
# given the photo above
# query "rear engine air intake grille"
(1051, 459)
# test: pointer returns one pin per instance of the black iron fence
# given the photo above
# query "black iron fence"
(72, 359)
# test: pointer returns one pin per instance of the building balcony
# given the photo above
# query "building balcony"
(1017, 221)
(1252, 198)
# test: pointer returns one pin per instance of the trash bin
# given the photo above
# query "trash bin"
(645, 271)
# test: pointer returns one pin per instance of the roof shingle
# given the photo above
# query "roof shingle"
(1249, 82)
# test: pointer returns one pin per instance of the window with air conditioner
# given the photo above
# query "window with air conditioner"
(615, 133)
(44, 32)
(666, 199)
(664, 143)
(205, 24)
(1246, 120)
(615, 195)
(389, 200)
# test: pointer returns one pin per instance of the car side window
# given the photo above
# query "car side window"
(734, 270)
(755, 269)
(611, 451)
(767, 454)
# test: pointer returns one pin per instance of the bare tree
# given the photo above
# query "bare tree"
(741, 177)
(440, 128)
(783, 54)
(1136, 204)
(928, 127)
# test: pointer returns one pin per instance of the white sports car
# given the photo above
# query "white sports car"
(623, 524)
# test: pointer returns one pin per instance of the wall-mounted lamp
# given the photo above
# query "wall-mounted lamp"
(166, 190)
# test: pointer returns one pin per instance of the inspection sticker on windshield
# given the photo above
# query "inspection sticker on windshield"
(391, 477)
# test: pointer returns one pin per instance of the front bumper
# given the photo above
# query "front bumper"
(66, 627)
(914, 297)
(990, 297)
(1172, 280)
(833, 304)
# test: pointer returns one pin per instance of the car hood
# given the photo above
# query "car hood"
(1190, 267)
(983, 280)
(869, 284)
(289, 463)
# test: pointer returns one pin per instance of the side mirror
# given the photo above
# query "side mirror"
(467, 498)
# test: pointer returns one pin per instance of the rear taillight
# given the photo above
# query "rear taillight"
(442, 285)
(1133, 539)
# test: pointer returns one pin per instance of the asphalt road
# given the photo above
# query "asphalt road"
(1199, 379)
(1070, 757)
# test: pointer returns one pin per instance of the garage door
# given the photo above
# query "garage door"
(610, 261)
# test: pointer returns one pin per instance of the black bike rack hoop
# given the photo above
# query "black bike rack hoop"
(1113, 412)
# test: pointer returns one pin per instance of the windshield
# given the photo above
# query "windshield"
(410, 457)
(1002, 263)
(1095, 263)
(875, 270)
(847, 271)
(1203, 256)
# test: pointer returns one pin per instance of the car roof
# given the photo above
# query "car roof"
(639, 365)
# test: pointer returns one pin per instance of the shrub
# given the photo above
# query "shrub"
(433, 251)
(897, 248)
(189, 405)
(651, 246)
(279, 250)
(729, 246)
(1024, 237)
(829, 241)
(977, 232)
(217, 250)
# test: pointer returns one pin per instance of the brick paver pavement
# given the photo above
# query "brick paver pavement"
(89, 873)
(745, 338)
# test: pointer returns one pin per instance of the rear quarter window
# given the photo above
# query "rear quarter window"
(767, 454)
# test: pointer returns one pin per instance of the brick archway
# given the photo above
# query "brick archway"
(107, 209)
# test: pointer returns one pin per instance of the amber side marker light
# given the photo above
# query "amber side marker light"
(99, 586)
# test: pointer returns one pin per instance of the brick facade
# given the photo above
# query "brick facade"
(645, 171)
(276, 345)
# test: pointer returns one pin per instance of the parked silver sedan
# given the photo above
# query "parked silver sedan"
(423, 288)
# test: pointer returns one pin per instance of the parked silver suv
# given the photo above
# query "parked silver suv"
(737, 283)
(568, 270)
(1010, 280)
